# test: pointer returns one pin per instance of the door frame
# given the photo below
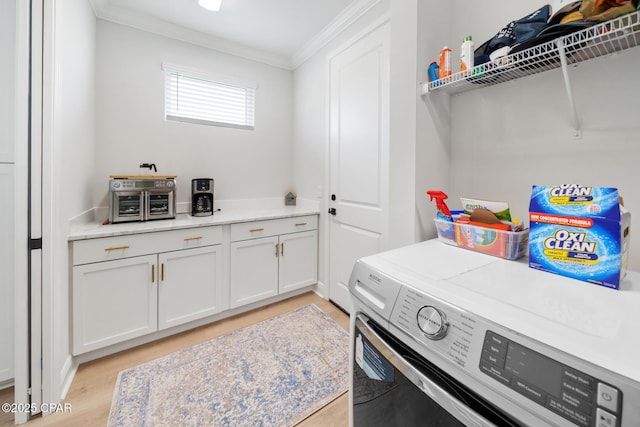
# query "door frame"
(324, 205)
(22, 362)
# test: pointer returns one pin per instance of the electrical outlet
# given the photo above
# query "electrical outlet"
(559, 4)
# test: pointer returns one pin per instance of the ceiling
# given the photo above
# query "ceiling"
(283, 33)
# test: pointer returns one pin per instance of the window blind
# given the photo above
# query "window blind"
(198, 99)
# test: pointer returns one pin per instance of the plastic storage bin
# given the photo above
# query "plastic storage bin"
(504, 244)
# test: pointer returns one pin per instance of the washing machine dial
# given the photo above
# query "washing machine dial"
(433, 322)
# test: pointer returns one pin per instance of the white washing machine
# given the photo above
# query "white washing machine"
(443, 336)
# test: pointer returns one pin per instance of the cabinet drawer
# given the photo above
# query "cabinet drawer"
(272, 227)
(111, 248)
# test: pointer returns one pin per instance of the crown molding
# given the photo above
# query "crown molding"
(163, 28)
(351, 14)
(103, 10)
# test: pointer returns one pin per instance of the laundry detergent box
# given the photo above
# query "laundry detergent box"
(579, 232)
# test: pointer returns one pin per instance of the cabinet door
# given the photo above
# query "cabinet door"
(7, 282)
(190, 285)
(298, 260)
(114, 301)
(254, 270)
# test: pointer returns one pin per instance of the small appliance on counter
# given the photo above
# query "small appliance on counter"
(141, 198)
(202, 196)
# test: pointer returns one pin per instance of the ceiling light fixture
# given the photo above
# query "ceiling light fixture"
(213, 5)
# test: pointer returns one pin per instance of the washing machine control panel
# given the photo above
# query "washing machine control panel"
(433, 322)
(442, 328)
(551, 381)
(570, 393)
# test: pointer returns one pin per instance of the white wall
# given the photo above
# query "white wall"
(433, 123)
(130, 125)
(508, 137)
(402, 122)
(68, 153)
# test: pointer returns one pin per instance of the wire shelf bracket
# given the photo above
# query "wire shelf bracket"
(567, 84)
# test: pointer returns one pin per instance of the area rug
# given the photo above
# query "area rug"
(274, 373)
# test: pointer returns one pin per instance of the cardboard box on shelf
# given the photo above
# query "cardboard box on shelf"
(579, 232)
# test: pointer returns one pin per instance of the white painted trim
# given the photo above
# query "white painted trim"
(322, 290)
(50, 382)
(67, 373)
(20, 203)
(350, 15)
(167, 29)
(383, 19)
(103, 10)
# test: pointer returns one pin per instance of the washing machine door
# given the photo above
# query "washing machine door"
(394, 386)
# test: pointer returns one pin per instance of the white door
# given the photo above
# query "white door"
(359, 146)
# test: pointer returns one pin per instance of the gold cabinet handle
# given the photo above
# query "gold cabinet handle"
(254, 230)
(186, 239)
(116, 248)
(301, 224)
(276, 250)
(281, 249)
(162, 272)
(153, 273)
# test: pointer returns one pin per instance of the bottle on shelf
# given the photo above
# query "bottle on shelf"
(466, 54)
(445, 62)
(434, 72)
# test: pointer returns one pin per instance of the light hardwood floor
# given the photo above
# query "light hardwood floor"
(92, 388)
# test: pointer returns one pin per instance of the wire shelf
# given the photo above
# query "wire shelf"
(601, 39)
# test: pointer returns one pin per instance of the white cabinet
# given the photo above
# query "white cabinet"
(272, 257)
(190, 285)
(298, 262)
(128, 286)
(7, 282)
(254, 270)
(114, 301)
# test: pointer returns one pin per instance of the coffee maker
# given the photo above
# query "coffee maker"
(201, 196)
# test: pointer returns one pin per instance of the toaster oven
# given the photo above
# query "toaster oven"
(141, 198)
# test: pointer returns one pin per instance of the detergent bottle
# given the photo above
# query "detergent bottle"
(466, 54)
(445, 62)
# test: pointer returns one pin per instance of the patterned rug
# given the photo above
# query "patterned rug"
(274, 373)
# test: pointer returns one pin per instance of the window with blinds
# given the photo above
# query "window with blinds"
(196, 98)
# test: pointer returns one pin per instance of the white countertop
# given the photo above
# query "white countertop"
(230, 212)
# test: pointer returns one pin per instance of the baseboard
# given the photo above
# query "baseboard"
(67, 374)
(6, 384)
(322, 290)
